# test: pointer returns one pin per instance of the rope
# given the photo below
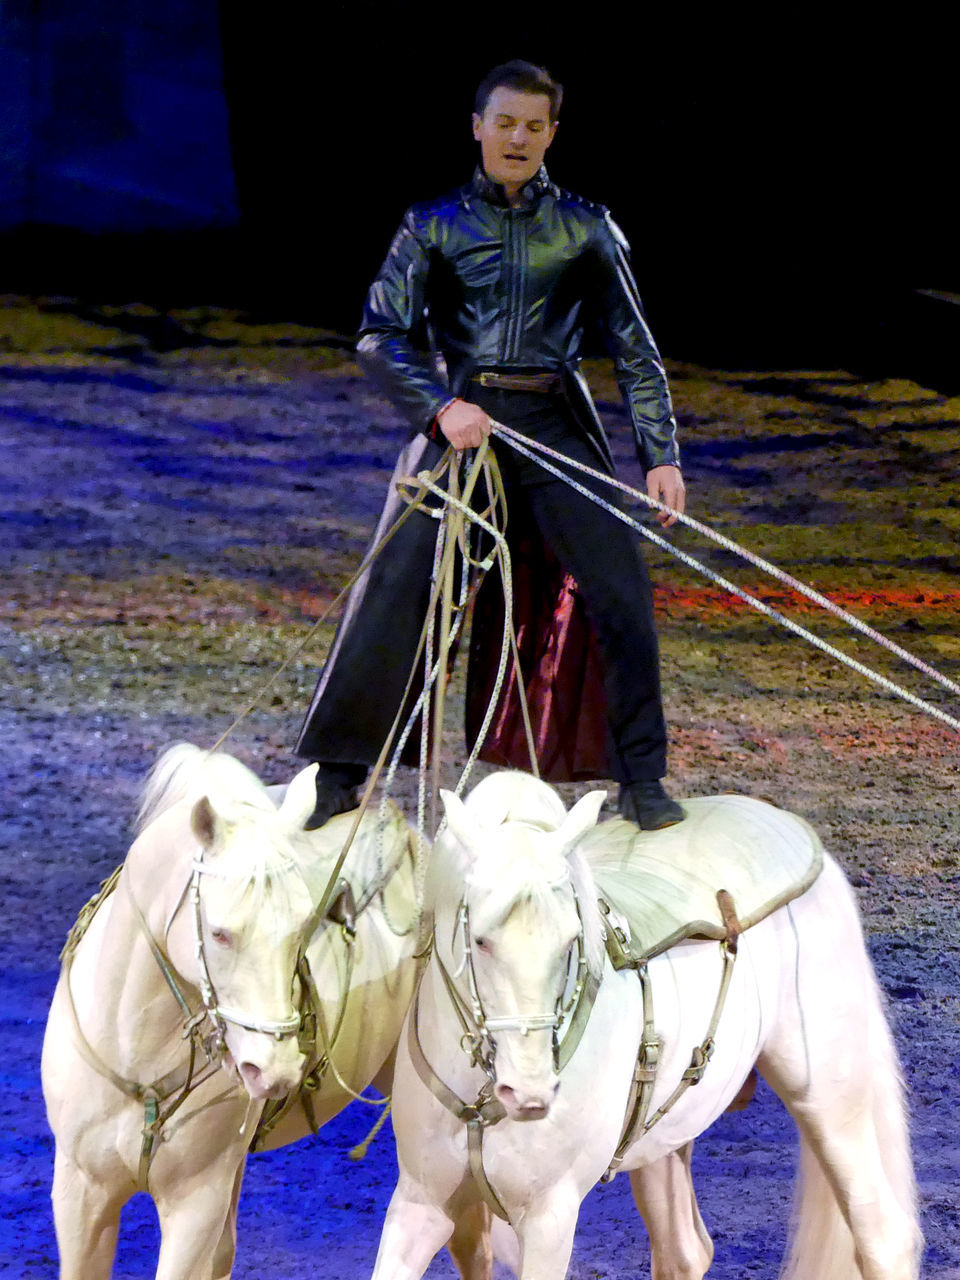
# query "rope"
(301, 644)
(359, 1152)
(514, 439)
(426, 482)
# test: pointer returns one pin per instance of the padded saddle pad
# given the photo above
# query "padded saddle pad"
(665, 883)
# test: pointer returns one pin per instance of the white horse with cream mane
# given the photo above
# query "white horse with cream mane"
(551, 1043)
(180, 1012)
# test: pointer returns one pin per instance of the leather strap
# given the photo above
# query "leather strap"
(477, 1116)
(648, 1056)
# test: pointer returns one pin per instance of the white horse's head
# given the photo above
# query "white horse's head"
(242, 924)
(517, 901)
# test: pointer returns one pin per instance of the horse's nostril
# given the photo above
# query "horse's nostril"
(534, 1104)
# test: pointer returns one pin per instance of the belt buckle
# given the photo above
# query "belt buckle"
(487, 379)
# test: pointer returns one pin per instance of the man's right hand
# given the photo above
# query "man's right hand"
(465, 425)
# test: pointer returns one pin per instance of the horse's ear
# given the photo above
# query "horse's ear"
(581, 818)
(300, 798)
(204, 822)
(460, 824)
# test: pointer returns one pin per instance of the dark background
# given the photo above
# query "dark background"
(783, 181)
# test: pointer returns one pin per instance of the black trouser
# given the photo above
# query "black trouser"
(361, 687)
(603, 555)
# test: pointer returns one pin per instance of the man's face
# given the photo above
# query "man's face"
(514, 133)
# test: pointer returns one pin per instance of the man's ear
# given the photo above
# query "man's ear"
(477, 121)
(553, 132)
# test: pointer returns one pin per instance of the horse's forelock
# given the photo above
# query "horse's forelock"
(512, 796)
(257, 863)
(515, 871)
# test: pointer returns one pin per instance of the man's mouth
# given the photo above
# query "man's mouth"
(514, 156)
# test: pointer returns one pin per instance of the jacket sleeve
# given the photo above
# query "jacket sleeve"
(392, 315)
(639, 369)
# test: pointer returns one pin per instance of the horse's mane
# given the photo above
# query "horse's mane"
(514, 866)
(185, 772)
(259, 858)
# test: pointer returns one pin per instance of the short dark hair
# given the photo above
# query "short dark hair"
(524, 77)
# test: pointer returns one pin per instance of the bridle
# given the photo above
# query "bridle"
(220, 1014)
(479, 1028)
(479, 1043)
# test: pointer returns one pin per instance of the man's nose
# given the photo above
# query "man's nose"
(519, 136)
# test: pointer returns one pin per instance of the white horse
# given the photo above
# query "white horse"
(178, 1016)
(515, 907)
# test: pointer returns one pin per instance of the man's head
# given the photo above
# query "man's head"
(514, 120)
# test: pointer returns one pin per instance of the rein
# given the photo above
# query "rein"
(537, 452)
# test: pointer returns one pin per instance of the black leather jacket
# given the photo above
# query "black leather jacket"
(489, 286)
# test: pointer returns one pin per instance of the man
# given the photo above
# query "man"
(510, 272)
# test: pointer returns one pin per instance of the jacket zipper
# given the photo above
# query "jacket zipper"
(512, 253)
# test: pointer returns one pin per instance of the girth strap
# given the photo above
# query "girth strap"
(648, 1057)
(644, 1076)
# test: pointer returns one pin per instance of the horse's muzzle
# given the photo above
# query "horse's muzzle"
(524, 1106)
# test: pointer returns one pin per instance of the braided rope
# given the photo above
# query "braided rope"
(538, 452)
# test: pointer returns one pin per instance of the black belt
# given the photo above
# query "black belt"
(542, 383)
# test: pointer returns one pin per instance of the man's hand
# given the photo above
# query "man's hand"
(465, 425)
(666, 485)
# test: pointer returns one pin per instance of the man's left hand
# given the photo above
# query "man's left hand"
(666, 485)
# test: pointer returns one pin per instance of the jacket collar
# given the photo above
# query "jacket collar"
(530, 192)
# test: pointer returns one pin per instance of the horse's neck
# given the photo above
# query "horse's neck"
(121, 996)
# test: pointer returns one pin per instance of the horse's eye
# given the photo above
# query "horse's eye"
(221, 937)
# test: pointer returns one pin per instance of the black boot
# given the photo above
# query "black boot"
(337, 786)
(648, 805)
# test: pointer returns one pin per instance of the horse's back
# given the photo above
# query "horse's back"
(666, 882)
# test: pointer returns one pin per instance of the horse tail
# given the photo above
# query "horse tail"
(186, 772)
(821, 1243)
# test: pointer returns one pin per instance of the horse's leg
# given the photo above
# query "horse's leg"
(832, 1061)
(470, 1245)
(193, 1222)
(680, 1247)
(414, 1231)
(848, 1213)
(849, 1222)
(546, 1237)
(86, 1216)
(227, 1248)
